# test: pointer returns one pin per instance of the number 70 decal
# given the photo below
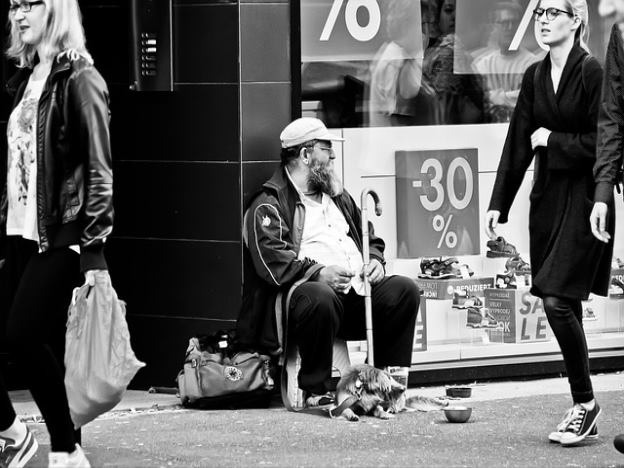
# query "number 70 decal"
(369, 31)
(523, 26)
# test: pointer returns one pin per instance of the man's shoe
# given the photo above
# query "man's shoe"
(76, 459)
(16, 456)
(314, 400)
(582, 421)
(563, 425)
(618, 443)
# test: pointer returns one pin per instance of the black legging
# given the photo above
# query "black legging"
(565, 317)
(37, 294)
(318, 315)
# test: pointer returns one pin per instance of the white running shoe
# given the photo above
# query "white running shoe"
(76, 459)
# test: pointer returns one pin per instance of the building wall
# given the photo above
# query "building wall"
(186, 161)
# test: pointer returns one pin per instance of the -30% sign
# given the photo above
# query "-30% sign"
(437, 202)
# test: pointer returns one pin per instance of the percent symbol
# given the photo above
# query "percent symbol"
(441, 225)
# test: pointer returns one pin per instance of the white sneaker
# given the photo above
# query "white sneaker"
(76, 459)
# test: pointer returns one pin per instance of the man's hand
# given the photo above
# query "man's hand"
(598, 222)
(375, 271)
(540, 137)
(90, 276)
(337, 277)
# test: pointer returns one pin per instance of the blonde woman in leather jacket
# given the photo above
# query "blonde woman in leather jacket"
(55, 211)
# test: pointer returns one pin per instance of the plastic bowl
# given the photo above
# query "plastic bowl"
(459, 392)
(457, 414)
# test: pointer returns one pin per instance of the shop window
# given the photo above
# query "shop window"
(371, 63)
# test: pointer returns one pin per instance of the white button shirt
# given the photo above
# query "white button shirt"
(325, 238)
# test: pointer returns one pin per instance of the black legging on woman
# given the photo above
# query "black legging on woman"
(37, 290)
(565, 317)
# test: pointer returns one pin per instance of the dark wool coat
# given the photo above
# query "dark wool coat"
(566, 259)
(610, 152)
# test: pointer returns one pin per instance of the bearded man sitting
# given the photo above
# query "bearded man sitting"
(303, 258)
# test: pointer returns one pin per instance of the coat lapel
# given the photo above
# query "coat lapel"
(577, 55)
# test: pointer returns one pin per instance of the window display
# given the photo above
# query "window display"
(423, 92)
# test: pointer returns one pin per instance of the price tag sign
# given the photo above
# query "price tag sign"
(437, 195)
(339, 30)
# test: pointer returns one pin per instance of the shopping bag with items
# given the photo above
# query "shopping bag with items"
(99, 361)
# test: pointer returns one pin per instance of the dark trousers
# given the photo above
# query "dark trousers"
(565, 317)
(318, 315)
(37, 290)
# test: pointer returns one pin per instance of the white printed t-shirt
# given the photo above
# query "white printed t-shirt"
(326, 238)
(22, 164)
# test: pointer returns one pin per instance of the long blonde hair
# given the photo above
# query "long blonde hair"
(579, 9)
(63, 34)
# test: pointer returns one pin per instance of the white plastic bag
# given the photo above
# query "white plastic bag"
(99, 361)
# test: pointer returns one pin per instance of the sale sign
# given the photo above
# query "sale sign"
(344, 30)
(437, 195)
(520, 313)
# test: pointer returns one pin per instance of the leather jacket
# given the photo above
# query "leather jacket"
(272, 231)
(74, 165)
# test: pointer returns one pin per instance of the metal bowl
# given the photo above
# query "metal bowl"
(459, 392)
(457, 414)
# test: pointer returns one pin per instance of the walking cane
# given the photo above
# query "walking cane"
(368, 307)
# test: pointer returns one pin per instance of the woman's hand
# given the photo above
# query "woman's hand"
(540, 137)
(491, 221)
(598, 222)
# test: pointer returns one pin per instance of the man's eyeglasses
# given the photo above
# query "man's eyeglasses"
(330, 151)
(24, 7)
(551, 13)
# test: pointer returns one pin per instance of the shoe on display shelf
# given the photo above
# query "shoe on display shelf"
(461, 300)
(506, 281)
(588, 314)
(616, 288)
(480, 317)
(438, 268)
(582, 421)
(518, 266)
(617, 264)
(499, 247)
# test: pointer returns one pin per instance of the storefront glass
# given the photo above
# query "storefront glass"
(422, 91)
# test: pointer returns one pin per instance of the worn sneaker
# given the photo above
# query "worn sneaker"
(76, 459)
(314, 400)
(499, 247)
(581, 423)
(13, 455)
(563, 425)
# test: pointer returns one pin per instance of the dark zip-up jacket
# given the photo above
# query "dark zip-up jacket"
(74, 165)
(607, 169)
(272, 231)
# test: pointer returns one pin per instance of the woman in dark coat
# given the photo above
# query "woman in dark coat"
(555, 120)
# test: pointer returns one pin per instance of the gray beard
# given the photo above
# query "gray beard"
(322, 180)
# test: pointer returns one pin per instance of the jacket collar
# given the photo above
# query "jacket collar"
(61, 64)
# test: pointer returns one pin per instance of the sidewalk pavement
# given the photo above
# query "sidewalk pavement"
(508, 427)
(136, 401)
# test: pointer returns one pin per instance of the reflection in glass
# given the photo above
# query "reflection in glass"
(432, 62)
